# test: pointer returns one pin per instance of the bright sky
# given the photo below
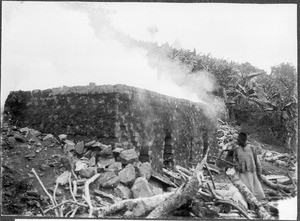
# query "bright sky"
(51, 44)
(262, 34)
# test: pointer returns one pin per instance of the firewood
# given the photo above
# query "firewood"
(148, 204)
(273, 185)
(182, 195)
(276, 157)
(262, 212)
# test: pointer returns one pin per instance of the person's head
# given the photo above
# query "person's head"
(242, 138)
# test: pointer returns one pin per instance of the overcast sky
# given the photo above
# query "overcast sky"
(50, 44)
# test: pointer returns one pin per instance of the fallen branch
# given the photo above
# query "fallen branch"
(182, 195)
(276, 186)
(87, 196)
(262, 212)
(45, 190)
(71, 191)
(212, 179)
(241, 211)
(229, 163)
(65, 202)
(148, 204)
(291, 179)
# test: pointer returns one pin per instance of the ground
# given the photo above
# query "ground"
(23, 195)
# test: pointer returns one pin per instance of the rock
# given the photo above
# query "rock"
(11, 141)
(118, 150)
(141, 188)
(116, 166)
(104, 162)
(69, 145)
(171, 189)
(89, 144)
(107, 179)
(79, 147)
(94, 153)
(123, 191)
(87, 172)
(127, 156)
(49, 139)
(19, 137)
(43, 167)
(144, 170)
(155, 187)
(69, 142)
(106, 151)
(30, 156)
(24, 129)
(32, 134)
(96, 144)
(92, 161)
(118, 145)
(127, 175)
(88, 154)
(62, 137)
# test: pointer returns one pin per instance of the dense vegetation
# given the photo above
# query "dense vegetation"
(262, 105)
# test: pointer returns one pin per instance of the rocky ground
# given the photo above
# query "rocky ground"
(26, 151)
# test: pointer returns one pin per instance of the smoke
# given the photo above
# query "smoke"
(47, 44)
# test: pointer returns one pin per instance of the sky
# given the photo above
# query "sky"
(51, 44)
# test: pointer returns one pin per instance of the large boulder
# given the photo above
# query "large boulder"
(127, 156)
(141, 188)
(123, 191)
(127, 175)
(107, 180)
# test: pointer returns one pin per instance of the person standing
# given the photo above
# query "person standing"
(248, 165)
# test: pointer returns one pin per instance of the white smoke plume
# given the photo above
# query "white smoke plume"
(48, 44)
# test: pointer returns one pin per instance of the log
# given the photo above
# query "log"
(172, 174)
(262, 212)
(274, 186)
(213, 168)
(276, 157)
(139, 206)
(182, 195)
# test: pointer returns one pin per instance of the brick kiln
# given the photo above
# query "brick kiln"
(162, 129)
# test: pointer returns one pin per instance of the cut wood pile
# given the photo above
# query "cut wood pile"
(280, 159)
(107, 181)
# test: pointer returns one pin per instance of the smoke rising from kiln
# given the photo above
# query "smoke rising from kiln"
(48, 44)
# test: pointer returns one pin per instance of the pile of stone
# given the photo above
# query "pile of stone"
(121, 172)
(119, 168)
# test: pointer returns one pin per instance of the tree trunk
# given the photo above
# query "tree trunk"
(276, 186)
(262, 212)
(182, 195)
(139, 206)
